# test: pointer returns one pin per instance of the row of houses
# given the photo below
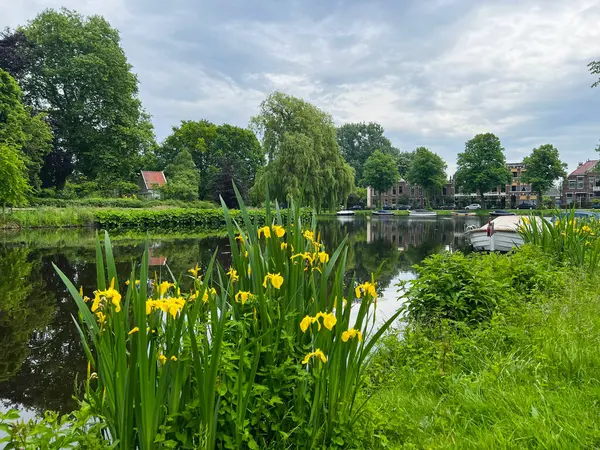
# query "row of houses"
(581, 187)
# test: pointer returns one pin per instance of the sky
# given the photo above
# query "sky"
(431, 72)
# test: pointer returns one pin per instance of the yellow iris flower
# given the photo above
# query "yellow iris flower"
(275, 278)
(233, 275)
(164, 287)
(279, 230)
(350, 334)
(318, 353)
(366, 288)
(266, 231)
(243, 296)
(133, 330)
(194, 271)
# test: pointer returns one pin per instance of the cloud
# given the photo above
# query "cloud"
(432, 73)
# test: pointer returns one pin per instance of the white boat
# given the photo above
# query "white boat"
(345, 213)
(382, 212)
(422, 213)
(500, 234)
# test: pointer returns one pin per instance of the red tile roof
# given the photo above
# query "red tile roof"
(153, 178)
(584, 168)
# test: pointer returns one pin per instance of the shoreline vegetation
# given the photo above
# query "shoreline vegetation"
(489, 349)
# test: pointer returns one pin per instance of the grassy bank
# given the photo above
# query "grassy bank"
(500, 351)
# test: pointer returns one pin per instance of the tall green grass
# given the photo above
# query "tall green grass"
(49, 218)
(267, 353)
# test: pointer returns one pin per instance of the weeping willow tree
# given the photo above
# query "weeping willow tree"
(304, 158)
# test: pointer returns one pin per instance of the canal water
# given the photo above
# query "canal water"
(41, 358)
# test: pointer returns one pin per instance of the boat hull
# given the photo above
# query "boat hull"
(345, 213)
(504, 241)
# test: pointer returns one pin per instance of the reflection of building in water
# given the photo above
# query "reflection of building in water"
(156, 260)
(406, 232)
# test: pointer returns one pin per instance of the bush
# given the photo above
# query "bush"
(176, 218)
(266, 354)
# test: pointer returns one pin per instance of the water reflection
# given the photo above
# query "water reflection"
(42, 358)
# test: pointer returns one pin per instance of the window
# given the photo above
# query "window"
(515, 175)
(399, 189)
(579, 182)
(513, 188)
(592, 181)
(571, 184)
(569, 198)
(444, 191)
(393, 191)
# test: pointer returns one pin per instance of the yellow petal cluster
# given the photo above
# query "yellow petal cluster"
(283, 246)
(195, 271)
(233, 275)
(133, 330)
(243, 296)
(329, 321)
(266, 231)
(278, 230)
(172, 305)
(318, 353)
(351, 334)
(211, 291)
(110, 294)
(275, 278)
(164, 287)
(162, 358)
(367, 289)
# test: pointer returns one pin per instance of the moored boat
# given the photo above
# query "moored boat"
(500, 234)
(383, 212)
(345, 212)
(464, 212)
(499, 213)
(422, 213)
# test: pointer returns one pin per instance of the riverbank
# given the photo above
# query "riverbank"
(162, 218)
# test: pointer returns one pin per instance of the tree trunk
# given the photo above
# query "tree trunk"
(540, 204)
(482, 199)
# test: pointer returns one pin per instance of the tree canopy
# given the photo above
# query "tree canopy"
(427, 170)
(482, 167)
(358, 141)
(182, 178)
(380, 172)
(544, 167)
(595, 70)
(73, 68)
(221, 153)
(304, 159)
(405, 160)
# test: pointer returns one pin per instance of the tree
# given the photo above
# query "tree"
(304, 159)
(544, 167)
(595, 70)
(482, 167)
(380, 172)
(23, 141)
(73, 68)
(222, 154)
(404, 162)
(358, 141)
(427, 170)
(182, 178)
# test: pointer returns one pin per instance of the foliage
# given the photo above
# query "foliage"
(120, 203)
(501, 383)
(544, 167)
(211, 219)
(49, 218)
(358, 141)
(75, 70)
(482, 167)
(13, 184)
(380, 172)
(404, 162)
(471, 288)
(265, 355)
(427, 170)
(566, 237)
(182, 178)
(594, 67)
(221, 153)
(53, 432)
(27, 135)
(305, 161)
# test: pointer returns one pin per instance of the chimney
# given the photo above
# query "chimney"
(579, 164)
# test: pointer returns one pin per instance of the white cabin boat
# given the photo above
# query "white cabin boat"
(345, 213)
(422, 213)
(500, 234)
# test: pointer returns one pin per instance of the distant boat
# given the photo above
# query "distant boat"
(500, 234)
(383, 212)
(345, 212)
(422, 213)
(465, 212)
(500, 212)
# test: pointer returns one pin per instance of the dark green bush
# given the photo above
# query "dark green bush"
(175, 218)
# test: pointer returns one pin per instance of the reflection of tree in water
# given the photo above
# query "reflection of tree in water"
(22, 309)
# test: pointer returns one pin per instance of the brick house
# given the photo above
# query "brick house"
(403, 193)
(581, 185)
(518, 192)
(149, 181)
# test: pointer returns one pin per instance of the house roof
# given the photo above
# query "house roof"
(153, 178)
(584, 168)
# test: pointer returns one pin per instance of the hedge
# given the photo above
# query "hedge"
(177, 218)
(118, 203)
